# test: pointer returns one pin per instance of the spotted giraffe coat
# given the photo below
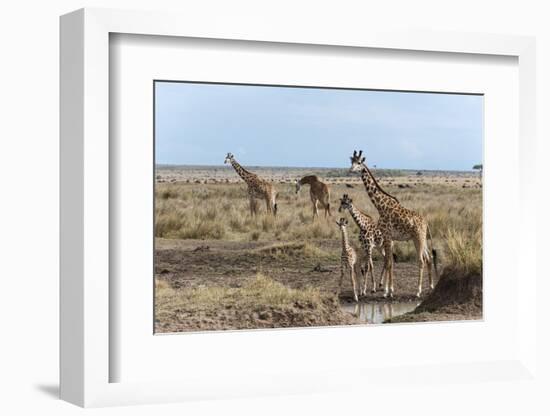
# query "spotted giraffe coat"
(348, 258)
(370, 237)
(257, 188)
(396, 223)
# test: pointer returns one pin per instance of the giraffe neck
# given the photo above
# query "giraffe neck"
(380, 198)
(308, 180)
(345, 243)
(242, 172)
(357, 216)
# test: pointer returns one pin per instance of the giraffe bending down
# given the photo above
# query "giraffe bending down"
(348, 258)
(397, 224)
(318, 192)
(370, 237)
(257, 187)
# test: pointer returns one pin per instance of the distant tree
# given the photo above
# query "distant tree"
(480, 168)
(419, 173)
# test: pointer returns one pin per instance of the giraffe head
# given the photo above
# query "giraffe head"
(298, 185)
(345, 203)
(342, 223)
(357, 161)
(229, 158)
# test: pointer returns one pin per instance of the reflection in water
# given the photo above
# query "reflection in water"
(378, 312)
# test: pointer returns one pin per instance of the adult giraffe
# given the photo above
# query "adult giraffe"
(397, 223)
(318, 192)
(257, 188)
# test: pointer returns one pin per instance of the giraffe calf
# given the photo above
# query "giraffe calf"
(348, 258)
(370, 237)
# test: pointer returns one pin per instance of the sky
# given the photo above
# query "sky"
(198, 124)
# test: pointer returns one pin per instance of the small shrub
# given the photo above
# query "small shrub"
(167, 194)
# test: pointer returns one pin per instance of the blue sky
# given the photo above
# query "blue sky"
(197, 124)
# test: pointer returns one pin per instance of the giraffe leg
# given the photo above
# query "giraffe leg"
(252, 206)
(366, 278)
(368, 261)
(428, 261)
(315, 210)
(391, 276)
(327, 209)
(364, 274)
(353, 281)
(420, 254)
(341, 277)
(388, 259)
(382, 274)
(274, 204)
(373, 290)
(268, 204)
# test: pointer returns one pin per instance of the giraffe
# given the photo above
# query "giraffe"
(348, 258)
(318, 192)
(257, 188)
(397, 223)
(370, 237)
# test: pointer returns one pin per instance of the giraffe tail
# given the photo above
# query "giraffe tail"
(434, 253)
(274, 209)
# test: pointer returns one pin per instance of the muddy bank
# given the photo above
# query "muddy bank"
(261, 303)
(457, 296)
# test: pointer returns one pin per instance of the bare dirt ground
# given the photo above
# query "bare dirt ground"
(191, 263)
(188, 264)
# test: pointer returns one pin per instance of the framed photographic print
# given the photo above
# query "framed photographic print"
(240, 210)
(242, 247)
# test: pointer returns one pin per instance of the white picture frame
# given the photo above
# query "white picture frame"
(86, 356)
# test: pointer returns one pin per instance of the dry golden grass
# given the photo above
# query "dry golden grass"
(292, 250)
(262, 302)
(221, 212)
(260, 292)
(464, 252)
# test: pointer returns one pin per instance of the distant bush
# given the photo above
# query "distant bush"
(338, 173)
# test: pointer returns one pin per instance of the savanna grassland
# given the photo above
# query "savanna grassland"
(217, 267)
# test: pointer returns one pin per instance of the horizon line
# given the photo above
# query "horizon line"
(310, 167)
